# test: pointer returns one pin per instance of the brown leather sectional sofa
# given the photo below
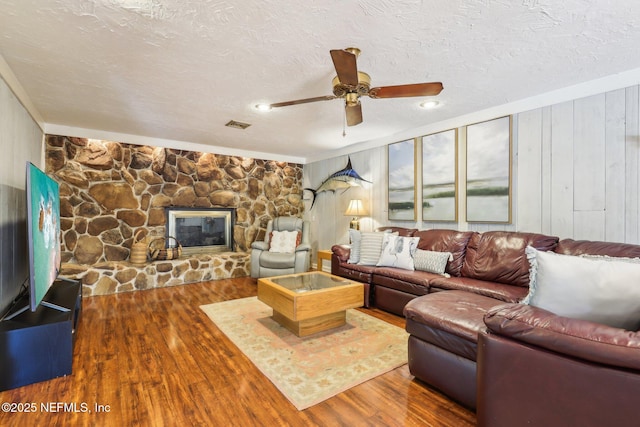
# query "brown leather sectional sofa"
(515, 364)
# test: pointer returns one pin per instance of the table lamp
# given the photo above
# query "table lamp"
(355, 209)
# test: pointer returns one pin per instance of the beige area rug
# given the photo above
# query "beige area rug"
(311, 369)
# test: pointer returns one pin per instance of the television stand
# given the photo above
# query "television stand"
(54, 306)
(26, 307)
(38, 345)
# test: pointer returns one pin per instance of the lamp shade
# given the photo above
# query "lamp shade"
(356, 208)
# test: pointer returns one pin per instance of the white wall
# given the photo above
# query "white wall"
(575, 173)
(21, 139)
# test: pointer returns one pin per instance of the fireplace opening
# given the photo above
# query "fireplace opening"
(201, 230)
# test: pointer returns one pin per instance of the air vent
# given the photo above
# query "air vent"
(237, 125)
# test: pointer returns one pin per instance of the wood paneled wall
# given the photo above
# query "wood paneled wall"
(20, 140)
(575, 174)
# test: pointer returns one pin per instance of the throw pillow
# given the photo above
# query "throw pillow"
(397, 251)
(371, 247)
(599, 290)
(611, 258)
(355, 238)
(432, 261)
(284, 241)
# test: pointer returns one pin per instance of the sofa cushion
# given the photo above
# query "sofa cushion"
(432, 261)
(409, 281)
(499, 256)
(446, 241)
(276, 260)
(499, 291)
(400, 231)
(450, 320)
(397, 251)
(368, 269)
(579, 338)
(602, 290)
(359, 273)
(582, 247)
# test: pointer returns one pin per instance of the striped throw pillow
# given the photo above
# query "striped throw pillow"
(371, 247)
(355, 238)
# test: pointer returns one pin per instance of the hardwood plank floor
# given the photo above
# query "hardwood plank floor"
(153, 358)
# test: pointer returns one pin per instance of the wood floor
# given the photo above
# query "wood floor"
(153, 358)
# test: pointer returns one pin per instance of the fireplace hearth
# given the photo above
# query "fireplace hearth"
(201, 230)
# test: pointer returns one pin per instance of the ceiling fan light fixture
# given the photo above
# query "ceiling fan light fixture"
(263, 107)
(362, 88)
(352, 99)
(350, 84)
(430, 104)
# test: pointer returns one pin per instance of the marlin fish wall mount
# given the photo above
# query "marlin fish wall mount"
(342, 179)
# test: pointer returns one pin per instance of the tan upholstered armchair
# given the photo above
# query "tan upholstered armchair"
(271, 259)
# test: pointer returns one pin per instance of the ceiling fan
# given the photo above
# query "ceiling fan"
(350, 84)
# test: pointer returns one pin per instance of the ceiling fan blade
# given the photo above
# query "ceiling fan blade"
(401, 91)
(354, 114)
(346, 68)
(302, 101)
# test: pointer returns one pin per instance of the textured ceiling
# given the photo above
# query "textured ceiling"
(180, 69)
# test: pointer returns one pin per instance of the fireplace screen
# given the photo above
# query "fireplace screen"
(202, 230)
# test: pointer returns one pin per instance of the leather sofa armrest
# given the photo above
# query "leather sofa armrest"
(263, 246)
(578, 338)
(342, 252)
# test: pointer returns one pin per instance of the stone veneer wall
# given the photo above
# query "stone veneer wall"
(110, 190)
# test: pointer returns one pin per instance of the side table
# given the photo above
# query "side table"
(324, 255)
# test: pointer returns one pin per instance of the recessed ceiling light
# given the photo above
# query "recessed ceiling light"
(429, 104)
(263, 107)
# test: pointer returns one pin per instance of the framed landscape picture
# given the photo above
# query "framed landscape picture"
(489, 171)
(439, 172)
(402, 181)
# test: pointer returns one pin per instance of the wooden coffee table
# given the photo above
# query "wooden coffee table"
(307, 303)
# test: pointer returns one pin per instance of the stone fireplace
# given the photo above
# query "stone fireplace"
(113, 193)
(201, 230)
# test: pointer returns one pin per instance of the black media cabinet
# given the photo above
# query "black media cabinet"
(38, 346)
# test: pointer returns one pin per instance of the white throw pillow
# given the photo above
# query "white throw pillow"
(355, 238)
(397, 251)
(432, 261)
(283, 241)
(599, 290)
(371, 247)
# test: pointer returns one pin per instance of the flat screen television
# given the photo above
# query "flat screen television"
(43, 237)
(43, 233)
